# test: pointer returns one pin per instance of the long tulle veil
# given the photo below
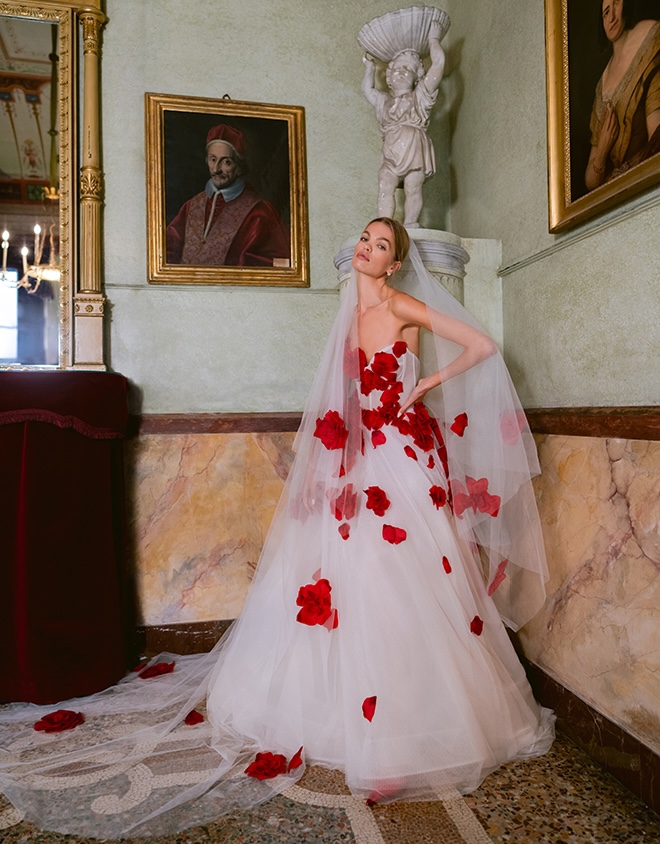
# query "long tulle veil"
(135, 767)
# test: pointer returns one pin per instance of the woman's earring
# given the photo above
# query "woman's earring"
(389, 273)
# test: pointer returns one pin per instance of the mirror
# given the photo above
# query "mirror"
(51, 305)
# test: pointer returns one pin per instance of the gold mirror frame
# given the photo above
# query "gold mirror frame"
(82, 301)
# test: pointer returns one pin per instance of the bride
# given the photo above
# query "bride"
(372, 638)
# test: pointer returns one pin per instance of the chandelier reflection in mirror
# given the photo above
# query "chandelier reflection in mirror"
(29, 173)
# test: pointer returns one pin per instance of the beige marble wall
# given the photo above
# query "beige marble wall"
(599, 633)
(200, 509)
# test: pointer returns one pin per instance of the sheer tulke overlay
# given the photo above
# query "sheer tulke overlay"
(370, 640)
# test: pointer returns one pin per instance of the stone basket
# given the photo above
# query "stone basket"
(405, 29)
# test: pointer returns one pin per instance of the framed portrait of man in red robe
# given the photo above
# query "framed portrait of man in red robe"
(603, 100)
(226, 192)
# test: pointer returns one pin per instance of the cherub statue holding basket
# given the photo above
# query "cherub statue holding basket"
(401, 39)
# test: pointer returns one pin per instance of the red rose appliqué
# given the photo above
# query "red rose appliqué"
(315, 601)
(459, 424)
(476, 626)
(377, 500)
(369, 707)
(500, 575)
(394, 535)
(345, 504)
(477, 498)
(438, 496)
(410, 452)
(331, 430)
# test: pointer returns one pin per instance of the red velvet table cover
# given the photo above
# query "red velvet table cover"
(63, 587)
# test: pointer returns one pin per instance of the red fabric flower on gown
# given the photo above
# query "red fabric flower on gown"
(499, 576)
(459, 424)
(399, 348)
(431, 463)
(266, 766)
(193, 717)
(314, 598)
(410, 452)
(345, 504)
(331, 430)
(476, 626)
(393, 535)
(344, 530)
(59, 721)
(372, 419)
(446, 565)
(377, 500)
(385, 365)
(369, 707)
(378, 438)
(476, 498)
(438, 496)
(421, 429)
(157, 670)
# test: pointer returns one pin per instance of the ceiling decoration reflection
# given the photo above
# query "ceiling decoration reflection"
(29, 192)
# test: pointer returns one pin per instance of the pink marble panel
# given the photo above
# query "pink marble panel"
(201, 507)
(599, 633)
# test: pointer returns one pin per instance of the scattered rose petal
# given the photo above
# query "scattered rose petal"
(459, 424)
(377, 500)
(296, 760)
(410, 452)
(500, 575)
(438, 496)
(369, 707)
(446, 565)
(157, 670)
(344, 530)
(193, 717)
(316, 575)
(266, 766)
(393, 535)
(476, 626)
(59, 721)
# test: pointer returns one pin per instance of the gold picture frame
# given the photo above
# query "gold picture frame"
(574, 63)
(270, 211)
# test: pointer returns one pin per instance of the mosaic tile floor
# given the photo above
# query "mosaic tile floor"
(562, 798)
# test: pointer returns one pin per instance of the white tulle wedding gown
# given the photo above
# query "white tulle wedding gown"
(368, 643)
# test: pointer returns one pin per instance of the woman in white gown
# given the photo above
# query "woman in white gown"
(370, 640)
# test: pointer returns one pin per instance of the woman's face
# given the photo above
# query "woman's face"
(374, 253)
(613, 19)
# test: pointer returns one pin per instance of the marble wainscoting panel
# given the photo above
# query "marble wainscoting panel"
(201, 507)
(599, 632)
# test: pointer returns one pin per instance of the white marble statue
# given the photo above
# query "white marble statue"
(404, 112)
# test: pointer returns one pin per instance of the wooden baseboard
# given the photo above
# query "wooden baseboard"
(633, 423)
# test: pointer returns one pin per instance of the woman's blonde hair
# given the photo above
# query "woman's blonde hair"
(401, 238)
